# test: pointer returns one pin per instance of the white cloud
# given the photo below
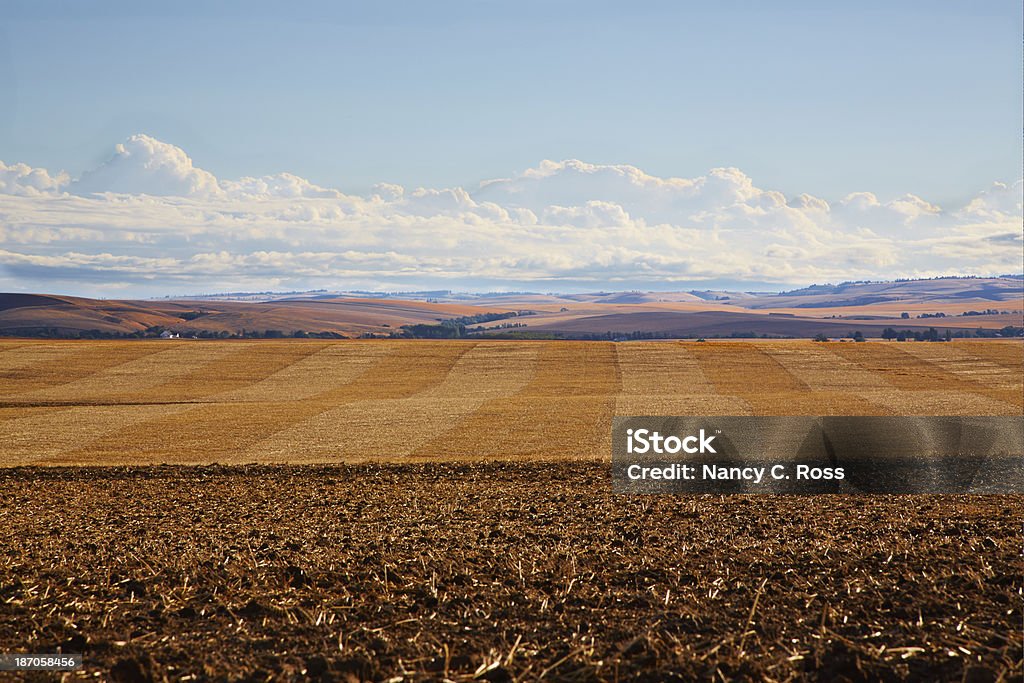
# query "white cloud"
(283, 185)
(21, 179)
(143, 165)
(593, 214)
(999, 201)
(149, 217)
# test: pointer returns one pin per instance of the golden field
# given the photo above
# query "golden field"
(320, 401)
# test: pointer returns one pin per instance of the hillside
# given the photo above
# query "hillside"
(961, 305)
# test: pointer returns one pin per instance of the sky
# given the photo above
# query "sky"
(642, 145)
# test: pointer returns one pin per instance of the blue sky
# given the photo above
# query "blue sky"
(641, 145)
(826, 98)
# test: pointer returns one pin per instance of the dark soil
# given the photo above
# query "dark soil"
(498, 572)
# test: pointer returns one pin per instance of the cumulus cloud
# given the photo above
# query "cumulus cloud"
(21, 179)
(1000, 201)
(143, 165)
(148, 217)
(283, 185)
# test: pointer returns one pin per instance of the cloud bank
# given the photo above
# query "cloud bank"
(149, 221)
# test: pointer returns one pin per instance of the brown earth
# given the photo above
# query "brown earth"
(498, 572)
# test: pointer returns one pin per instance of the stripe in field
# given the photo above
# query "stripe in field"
(304, 377)
(922, 387)
(745, 371)
(246, 363)
(962, 361)
(26, 366)
(563, 411)
(1009, 354)
(44, 435)
(29, 354)
(134, 380)
(666, 379)
(394, 428)
(821, 369)
(225, 432)
(934, 402)
(53, 365)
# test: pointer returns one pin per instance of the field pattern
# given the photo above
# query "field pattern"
(314, 401)
(399, 559)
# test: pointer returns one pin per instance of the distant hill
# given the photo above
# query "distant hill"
(939, 290)
(961, 305)
(40, 315)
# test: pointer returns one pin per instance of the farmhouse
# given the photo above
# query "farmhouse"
(167, 334)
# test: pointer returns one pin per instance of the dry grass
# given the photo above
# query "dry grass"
(320, 401)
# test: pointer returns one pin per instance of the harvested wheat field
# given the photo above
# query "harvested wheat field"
(442, 510)
(302, 401)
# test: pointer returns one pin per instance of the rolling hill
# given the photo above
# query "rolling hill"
(962, 305)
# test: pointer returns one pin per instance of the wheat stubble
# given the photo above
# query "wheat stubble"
(225, 431)
(388, 428)
(921, 387)
(774, 385)
(666, 379)
(564, 411)
(54, 366)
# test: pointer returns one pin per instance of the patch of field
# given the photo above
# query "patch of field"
(32, 435)
(134, 380)
(37, 366)
(925, 387)
(229, 431)
(391, 428)
(352, 400)
(753, 372)
(1010, 356)
(667, 379)
(994, 369)
(498, 572)
(327, 367)
(564, 411)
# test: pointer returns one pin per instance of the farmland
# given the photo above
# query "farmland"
(366, 509)
(313, 401)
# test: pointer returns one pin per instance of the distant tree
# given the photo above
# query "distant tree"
(857, 336)
(889, 333)
(820, 337)
(904, 315)
(949, 335)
